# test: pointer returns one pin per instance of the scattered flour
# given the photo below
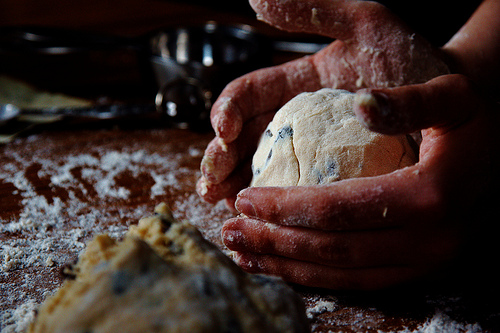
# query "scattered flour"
(328, 304)
(19, 319)
(54, 222)
(442, 323)
(56, 219)
(44, 216)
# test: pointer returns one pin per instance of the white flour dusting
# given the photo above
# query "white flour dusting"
(19, 319)
(44, 217)
(55, 221)
(63, 201)
(442, 323)
(321, 305)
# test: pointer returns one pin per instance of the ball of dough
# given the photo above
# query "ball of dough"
(316, 139)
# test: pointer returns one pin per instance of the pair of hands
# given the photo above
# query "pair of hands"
(365, 233)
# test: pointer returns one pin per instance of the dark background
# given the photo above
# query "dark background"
(437, 20)
(122, 73)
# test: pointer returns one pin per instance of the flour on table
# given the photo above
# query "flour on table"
(442, 323)
(63, 200)
(42, 213)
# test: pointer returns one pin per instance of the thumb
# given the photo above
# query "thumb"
(441, 102)
(339, 19)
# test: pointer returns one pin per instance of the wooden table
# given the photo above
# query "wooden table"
(60, 187)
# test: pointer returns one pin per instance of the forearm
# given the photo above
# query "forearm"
(475, 49)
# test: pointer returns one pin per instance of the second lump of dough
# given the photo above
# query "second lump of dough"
(316, 139)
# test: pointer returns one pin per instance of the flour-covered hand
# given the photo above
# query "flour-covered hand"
(375, 232)
(372, 48)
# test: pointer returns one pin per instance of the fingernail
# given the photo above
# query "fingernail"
(248, 262)
(232, 238)
(226, 123)
(245, 206)
(202, 187)
(217, 124)
(207, 165)
(373, 111)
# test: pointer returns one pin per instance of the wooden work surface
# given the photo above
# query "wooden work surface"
(58, 188)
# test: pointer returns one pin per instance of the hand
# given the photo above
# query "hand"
(371, 233)
(373, 49)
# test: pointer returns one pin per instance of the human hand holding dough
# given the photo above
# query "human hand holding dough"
(373, 48)
(369, 232)
(376, 232)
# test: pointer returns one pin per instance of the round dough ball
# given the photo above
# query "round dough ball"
(316, 139)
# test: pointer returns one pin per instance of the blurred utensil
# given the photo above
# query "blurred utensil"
(9, 112)
(191, 65)
(182, 103)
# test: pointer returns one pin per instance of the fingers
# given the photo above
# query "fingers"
(373, 47)
(339, 19)
(321, 276)
(238, 179)
(259, 92)
(351, 204)
(226, 167)
(415, 192)
(364, 260)
(328, 18)
(250, 100)
(339, 249)
(221, 158)
(444, 101)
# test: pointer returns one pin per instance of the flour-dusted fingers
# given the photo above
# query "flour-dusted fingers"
(459, 153)
(356, 249)
(373, 47)
(351, 204)
(259, 92)
(459, 149)
(322, 276)
(365, 60)
(221, 158)
(238, 179)
(339, 19)
(436, 210)
(378, 51)
(457, 157)
(445, 101)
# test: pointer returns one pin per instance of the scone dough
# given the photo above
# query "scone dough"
(316, 139)
(165, 277)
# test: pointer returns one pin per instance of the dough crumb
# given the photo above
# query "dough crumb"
(314, 17)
